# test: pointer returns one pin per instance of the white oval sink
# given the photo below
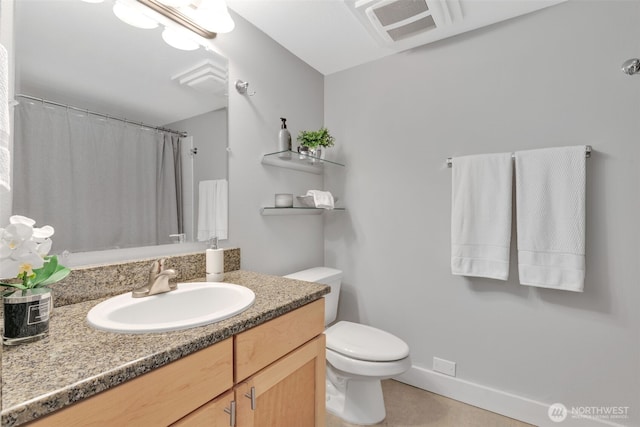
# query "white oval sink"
(192, 304)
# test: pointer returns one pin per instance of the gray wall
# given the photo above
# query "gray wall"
(209, 131)
(286, 87)
(551, 78)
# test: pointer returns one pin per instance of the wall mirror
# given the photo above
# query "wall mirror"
(97, 197)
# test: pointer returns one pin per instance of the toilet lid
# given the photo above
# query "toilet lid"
(365, 342)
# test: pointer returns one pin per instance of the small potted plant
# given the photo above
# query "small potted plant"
(313, 141)
(24, 256)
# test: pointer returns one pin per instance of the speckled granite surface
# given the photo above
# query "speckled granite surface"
(76, 361)
(88, 283)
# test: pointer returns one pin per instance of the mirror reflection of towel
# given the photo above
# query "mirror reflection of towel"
(213, 209)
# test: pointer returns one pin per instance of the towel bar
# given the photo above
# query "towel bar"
(587, 153)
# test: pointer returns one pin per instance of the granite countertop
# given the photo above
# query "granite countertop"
(76, 361)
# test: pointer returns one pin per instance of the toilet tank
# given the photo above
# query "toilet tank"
(326, 276)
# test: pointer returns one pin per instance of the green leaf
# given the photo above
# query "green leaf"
(15, 285)
(49, 273)
(58, 275)
(42, 273)
(316, 138)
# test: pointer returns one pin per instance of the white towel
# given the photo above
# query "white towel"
(5, 155)
(481, 215)
(550, 204)
(213, 209)
(322, 199)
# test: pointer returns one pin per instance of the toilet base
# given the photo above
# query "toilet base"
(355, 400)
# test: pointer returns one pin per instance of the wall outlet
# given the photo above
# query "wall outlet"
(446, 367)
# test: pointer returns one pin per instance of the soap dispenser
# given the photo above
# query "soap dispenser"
(214, 262)
(284, 140)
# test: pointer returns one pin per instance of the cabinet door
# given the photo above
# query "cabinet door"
(217, 413)
(289, 392)
(258, 347)
(157, 398)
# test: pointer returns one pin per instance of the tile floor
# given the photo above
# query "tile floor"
(412, 407)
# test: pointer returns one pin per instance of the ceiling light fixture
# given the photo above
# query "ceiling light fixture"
(214, 14)
(133, 17)
(205, 18)
(176, 3)
(177, 38)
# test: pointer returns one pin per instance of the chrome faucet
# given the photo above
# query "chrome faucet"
(158, 281)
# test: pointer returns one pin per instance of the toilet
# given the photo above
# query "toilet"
(358, 357)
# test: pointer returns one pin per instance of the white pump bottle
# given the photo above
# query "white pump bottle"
(214, 262)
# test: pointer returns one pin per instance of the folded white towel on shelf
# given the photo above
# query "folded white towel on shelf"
(322, 199)
(5, 155)
(481, 215)
(213, 209)
(550, 200)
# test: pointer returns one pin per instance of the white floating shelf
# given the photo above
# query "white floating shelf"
(296, 161)
(268, 211)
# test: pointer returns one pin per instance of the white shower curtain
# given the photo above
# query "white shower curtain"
(100, 183)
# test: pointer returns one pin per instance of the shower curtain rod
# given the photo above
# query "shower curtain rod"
(587, 154)
(106, 116)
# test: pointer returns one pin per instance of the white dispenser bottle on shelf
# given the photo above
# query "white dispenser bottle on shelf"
(284, 140)
(214, 262)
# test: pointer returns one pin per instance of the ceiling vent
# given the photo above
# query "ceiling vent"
(405, 21)
(204, 76)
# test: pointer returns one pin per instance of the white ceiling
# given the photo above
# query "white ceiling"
(94, 71)
(328, 36)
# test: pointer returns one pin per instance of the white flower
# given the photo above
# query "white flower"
(23, 246)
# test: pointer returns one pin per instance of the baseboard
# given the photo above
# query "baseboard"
(498, 401)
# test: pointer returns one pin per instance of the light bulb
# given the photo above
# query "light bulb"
(133, 17)
(214, 16)
(178, 39)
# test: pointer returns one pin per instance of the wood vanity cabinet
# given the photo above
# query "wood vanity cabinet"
(215, 413)
(272, 375)
(279, 374)
(280, 371)
(290, 392)
(157, 398)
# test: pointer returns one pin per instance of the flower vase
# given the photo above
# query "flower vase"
(316, 154)
(26, 315)
(304, 152)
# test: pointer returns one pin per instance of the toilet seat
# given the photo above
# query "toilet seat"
(365, 343)
(353, 367)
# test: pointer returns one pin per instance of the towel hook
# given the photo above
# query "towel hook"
(242, 88)
(631, 66)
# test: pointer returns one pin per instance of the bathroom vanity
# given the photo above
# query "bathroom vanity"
(265, 366)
